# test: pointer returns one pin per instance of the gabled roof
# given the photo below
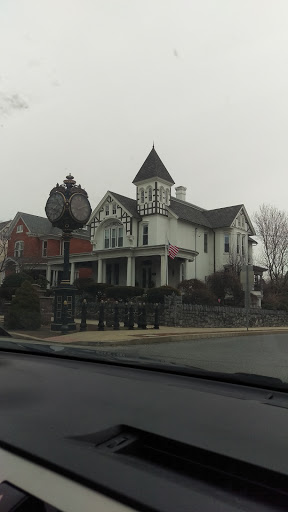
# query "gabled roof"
(128, 203)
(40, 226)
(153, 167)
(222, 217)
(189, 212)
(5, 224)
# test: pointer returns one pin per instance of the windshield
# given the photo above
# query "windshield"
(141, 217)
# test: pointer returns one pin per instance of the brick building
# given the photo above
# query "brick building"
(33, 242)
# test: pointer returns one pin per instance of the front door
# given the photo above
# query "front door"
(146, 276)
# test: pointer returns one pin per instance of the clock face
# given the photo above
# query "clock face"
(55, 206)
(80, 208)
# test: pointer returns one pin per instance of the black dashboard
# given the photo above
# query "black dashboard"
(147, 439)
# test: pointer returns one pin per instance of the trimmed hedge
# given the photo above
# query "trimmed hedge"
(156, 295)
(124, 293)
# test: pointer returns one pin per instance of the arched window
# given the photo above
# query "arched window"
(150, 194)
(162, 194)
(142, 195)
(167, 195)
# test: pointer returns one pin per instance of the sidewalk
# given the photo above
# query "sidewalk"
(109, 337)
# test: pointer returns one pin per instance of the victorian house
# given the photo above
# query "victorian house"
(126, 240)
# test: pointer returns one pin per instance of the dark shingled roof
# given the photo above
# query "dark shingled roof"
(42, 226)
(153, 167)
(189, 212)
(222, 217)
(128, 203)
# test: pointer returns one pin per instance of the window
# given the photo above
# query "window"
(114, 209)
(150, 194)
(162, 194)
(113, 237)
(19, 228)
(243, 221)
(238, 243)
(145, 234)
(107, 209)
(205, 242)
(44, 248)
(226, 243)
(19, 249)
(243, 245)
(142, 195)
(167, 195)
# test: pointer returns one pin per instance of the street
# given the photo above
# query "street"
(263, 355)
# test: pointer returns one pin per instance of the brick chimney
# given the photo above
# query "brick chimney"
(181, 193)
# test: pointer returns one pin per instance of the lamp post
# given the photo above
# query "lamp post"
(68, 209)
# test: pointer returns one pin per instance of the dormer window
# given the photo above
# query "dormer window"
(107, 209)
(142, 197)
(150, 194)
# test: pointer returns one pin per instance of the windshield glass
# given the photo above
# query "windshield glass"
(141, 217)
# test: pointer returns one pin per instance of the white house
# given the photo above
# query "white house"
(129, 237)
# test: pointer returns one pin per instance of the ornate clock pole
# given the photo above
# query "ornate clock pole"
(68, 209)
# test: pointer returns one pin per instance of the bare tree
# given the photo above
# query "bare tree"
(272, 228)
(3, 249)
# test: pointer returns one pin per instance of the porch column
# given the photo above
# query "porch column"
(48, 276)
(186, 269)
(133, 271)
(100, 270)
(55, 278)
(128, 275)
(72, 273)
(104, 277)
(163, 269)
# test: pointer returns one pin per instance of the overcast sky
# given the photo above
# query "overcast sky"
(87, 85)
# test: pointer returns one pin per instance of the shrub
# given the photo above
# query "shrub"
(124, 293)
(223, 283)
(196, 292)
(88, 285)
(25, 309)
(156, 295)
(11, 283)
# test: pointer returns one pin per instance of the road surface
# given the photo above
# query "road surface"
(261, 355)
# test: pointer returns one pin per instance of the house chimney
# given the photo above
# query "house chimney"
(181, 193)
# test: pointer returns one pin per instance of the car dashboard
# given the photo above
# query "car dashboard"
(82, 435)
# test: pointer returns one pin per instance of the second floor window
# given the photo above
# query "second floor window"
(113, 237)
(145, 234)
(238, 243)
(18, 249)
(142, 198)
(205, 242)
(44, 248)
(226, 243)
(19, 228)
(150, 194)
(107, 209)
(114, 209)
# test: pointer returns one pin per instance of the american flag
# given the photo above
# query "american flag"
(172, 251)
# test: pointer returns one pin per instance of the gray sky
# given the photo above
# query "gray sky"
(87, 85)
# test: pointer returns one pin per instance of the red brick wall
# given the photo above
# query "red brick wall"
(77, 245)
(84, 272)
(32, 245)
(53, 247)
